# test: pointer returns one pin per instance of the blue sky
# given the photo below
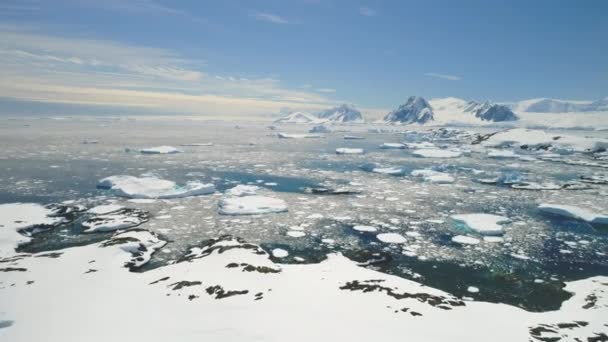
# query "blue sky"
(239, 58)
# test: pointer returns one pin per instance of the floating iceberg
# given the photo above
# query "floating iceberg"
(393, 171)
(437, 153)
(346, 150)
(197, 144)
(389, 146)
(574, 212)
(243, 190)
(152, 187)
(319, 129)
(251, 205)
(485, 224)
(391, 238)
(297, 136)
(364, 228)
(160, 150)
(465, 240)
(434, 176)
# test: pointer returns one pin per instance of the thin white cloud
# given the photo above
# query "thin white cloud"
(444, 76)
(270, 18)
(325, 90)
(43, 68)
(367, 12)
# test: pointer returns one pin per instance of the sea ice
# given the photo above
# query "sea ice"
(392, 146)
(391, 238)
(279, 253)
(151, 187)
(436, 153)
(243, 190)
(485, 224)
(364, 228)
(346, 150)
(433, 176)
(465, 240)
(160, 150)
(251, 205)
(574, 212)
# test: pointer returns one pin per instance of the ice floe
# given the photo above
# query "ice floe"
(391, 238)
(433, 176)
(389, 146)
(243, 190)
(364, 228)
(574, 212)
(465, 240)
(150, 187)
(346, 150)
(160, 150)
(251, 205)
(436, 153)
(485, 224)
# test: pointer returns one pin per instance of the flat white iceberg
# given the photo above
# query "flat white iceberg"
(364, 228)
(485, 224)
(279, 253)
(346, 150)
(465, 240)
(392, 146)
(574, 212)
(243, 190)
(433, 176)
(152, 187)
(388, 170)
(436, 153)
(297, 136)
(251, 205)
(391, 238)
(160, 150)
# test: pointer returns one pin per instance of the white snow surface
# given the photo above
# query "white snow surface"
(17, 217)
(104, 209)
(574, 212)
(152, 187)
(485, 224)
(251, 205)
(184, 297)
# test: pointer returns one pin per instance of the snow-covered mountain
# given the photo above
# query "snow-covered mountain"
(415, 110)
(559, 106)
(597, 106)
(490, 112)
(544, 105)
(343, 113)
(299, 118)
